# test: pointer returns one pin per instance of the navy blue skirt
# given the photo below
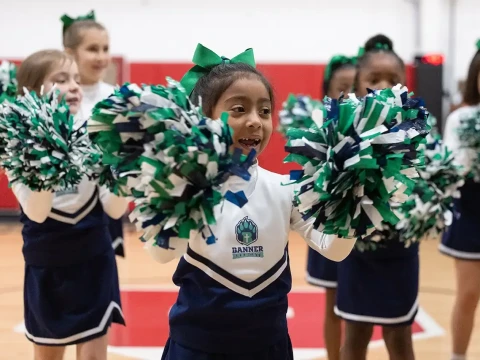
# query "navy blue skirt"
(72, 304)
(462, 238)
(379, 287)
(320, 270)
(280, 351)
(115, 227)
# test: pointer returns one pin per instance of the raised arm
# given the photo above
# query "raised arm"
(114, 206)
(330, 246)
(36, 205)
(178, 247)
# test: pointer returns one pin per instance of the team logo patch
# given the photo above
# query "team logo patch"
(246, 232)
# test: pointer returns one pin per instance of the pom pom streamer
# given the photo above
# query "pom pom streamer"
(428, 210)
(469, 136)
(430, 207)
(170, 158)
(8, 81)
(300, 112)
(8, 90)
(380, 238)
(43, 150)
(434, 138)
(119, 128)
(360, 162)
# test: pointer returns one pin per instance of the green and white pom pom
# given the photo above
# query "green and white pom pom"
(469, 136)
(117, 130)
(381, 238)
(430, 207)
(43, 149)
(8, 90)
(169, 157)
(299, 112)
(434, 138)
(8, 81)
(356, 165)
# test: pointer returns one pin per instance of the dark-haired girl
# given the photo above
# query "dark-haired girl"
(232, 302)
(378, 287)
(462, 239)
(338, 78)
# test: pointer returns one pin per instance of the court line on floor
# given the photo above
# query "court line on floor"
(428, 324)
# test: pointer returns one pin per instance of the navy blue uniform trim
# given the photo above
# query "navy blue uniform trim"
(239, 282)
(112, 315)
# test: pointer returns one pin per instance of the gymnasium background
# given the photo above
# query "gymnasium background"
(292, 40)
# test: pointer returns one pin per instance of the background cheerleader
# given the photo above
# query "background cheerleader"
(88, 42)
(338, 78)
(71, 291)
(378, 287)
(462, 239)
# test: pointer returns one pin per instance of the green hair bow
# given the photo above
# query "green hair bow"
(478, 44)
(205, 60)
(68, 21)
(382, 46)
(337, 60)
(379, 46)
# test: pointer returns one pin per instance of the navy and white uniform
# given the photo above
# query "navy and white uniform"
(232, 300)
(92, 94)
(71, 289)
(321, 271)
(379, 286)
(461, 239)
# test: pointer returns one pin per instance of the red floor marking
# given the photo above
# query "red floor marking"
(146, 314)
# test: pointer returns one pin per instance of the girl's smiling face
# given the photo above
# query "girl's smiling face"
(249, 107)
(65, 77)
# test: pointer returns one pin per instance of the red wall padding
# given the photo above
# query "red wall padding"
(285, 78)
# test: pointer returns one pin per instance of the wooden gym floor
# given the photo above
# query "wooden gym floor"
(436, 293)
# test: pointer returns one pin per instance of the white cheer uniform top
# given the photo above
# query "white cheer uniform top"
(92, 94)
(233, 293)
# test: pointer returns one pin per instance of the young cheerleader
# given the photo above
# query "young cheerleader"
(87, 41)
(338, 78)
(71, 291)
(378, 287)
(462, 239)
(232, 301)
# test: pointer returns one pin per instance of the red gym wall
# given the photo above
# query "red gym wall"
(285, 78)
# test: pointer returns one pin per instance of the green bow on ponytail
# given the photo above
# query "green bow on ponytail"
(478, 44)
(68, 21)
(205, 60)
(337, 60)
(361, 52)
(379, 46)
